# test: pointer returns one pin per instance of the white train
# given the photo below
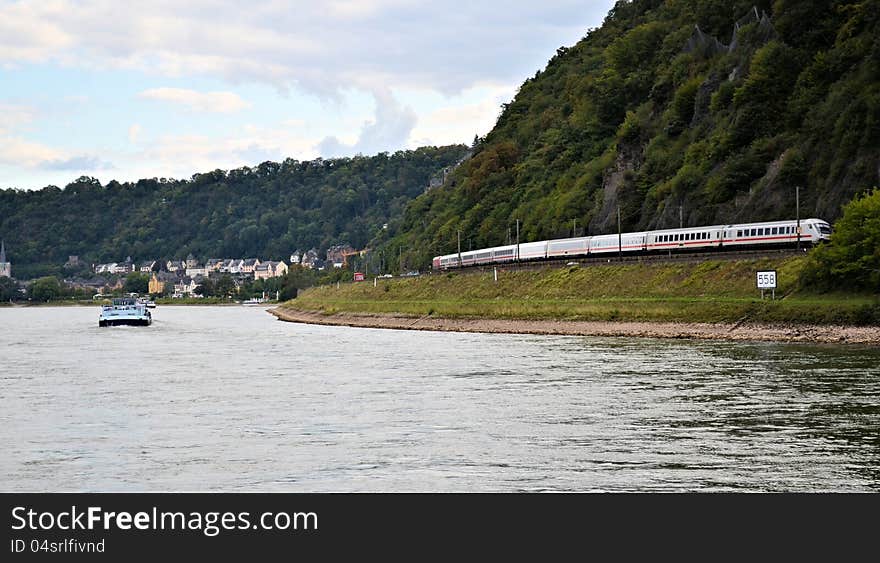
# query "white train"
(774, 234)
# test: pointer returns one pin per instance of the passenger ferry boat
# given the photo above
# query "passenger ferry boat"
(125, 311)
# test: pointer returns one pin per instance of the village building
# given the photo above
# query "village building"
(232, 266)
(248, 265)
(214, 265)
(338, 255)
(5, 265)
(155, 286)
(148, 266)
(175, 266)
(270, 269)
(310, 259)
(195, 270)
(185, 286)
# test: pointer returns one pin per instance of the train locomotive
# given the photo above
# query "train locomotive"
(746, 236)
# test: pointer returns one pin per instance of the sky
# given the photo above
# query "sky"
(125, 90)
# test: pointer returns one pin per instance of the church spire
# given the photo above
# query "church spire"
(2, 252)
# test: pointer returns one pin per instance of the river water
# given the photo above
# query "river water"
(230, 399)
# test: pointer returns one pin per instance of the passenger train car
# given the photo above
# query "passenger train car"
(775, 234)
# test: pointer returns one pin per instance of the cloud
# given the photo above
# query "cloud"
(19, 152)
(75, 163)
(14, 116)
(460, 119)
(134, 132)
(180, 156)
(389, 131)
(213, 102)
(319, 47)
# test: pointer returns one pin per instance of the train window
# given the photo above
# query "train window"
(739, 233)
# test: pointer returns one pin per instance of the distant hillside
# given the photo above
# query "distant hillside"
(699, 111)
(267, 211)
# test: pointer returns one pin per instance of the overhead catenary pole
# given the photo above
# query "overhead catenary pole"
(680, 216)
(619, 237)
(459, 248)
(574, 224)
(517, 240)
(797, 212)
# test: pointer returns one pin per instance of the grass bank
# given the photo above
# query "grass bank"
(716, 291)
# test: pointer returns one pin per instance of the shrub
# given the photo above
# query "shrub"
(852, 259)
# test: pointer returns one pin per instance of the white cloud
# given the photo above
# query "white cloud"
(81, 163)
(389, 131)
(20, 152)
(214, 102)
(180, 156)
(321, 47)
(134, 132)
(14, 117)
(459, 121)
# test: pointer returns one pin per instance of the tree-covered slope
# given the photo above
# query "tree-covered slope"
(267, 211)
(699, 111)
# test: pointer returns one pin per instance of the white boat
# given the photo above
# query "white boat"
(125, 311)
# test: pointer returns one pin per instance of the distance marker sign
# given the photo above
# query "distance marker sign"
(766, 279)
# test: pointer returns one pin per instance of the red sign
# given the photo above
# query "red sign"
(358, 276)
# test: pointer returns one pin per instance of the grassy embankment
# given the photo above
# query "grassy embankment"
(711, 291)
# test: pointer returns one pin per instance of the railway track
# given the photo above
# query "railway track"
(687, 257)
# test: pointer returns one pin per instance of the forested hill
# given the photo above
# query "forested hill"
(267, 211)
(704, 111)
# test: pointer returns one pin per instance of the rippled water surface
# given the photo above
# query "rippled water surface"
(228, 398)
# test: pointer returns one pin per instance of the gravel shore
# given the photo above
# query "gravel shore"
(798, 333)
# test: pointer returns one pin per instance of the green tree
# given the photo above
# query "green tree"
(224, 287)
(8, 289)
(852, 259)
(205, 289)
(45, 289)
(137, 282)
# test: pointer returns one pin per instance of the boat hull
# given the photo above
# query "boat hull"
(124, 322)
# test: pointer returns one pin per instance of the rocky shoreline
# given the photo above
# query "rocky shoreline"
(707, 331)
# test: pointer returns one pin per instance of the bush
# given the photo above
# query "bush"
(852, 259)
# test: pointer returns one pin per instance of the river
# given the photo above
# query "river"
(231, 399)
